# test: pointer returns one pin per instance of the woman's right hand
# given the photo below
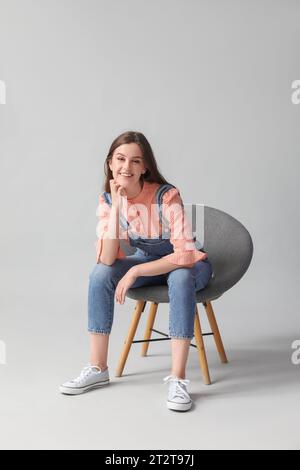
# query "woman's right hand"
(116, 191)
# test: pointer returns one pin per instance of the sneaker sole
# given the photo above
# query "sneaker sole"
(179, 406)
(78, 391)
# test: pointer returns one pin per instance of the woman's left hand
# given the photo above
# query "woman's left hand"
(124, 284)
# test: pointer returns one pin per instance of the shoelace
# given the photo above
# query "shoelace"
(86, 371)
(178, 385)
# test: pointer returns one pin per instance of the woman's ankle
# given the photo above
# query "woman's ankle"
(179, 375)
(101, 366)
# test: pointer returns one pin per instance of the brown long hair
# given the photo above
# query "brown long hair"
(152, 175)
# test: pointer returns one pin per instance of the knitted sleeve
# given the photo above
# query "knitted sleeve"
(181, 237)
(103, 213)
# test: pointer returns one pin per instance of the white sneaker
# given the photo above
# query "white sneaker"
(178, 397)
(89, 378)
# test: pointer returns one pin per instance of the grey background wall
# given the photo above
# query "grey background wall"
(209, 84)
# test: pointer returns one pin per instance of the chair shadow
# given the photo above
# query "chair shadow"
(264, 366)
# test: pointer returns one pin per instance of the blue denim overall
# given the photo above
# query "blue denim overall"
(182, 282)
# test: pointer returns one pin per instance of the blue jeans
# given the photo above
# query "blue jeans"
(182, 285)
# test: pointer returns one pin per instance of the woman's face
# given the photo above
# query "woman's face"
(127, 159)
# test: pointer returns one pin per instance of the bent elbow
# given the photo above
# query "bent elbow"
(107, 262)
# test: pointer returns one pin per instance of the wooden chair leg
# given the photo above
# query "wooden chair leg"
(131, 332)
(201, 349)
(214, 328)
(149, 326)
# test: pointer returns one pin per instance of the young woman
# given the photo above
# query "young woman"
(165, 254)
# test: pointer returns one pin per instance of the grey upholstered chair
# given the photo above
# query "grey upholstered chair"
(230, 249)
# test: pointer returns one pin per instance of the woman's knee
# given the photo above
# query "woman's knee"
(181, 276)
(101, 272)
(203, 275)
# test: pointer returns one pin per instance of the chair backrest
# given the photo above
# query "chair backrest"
(229, 247)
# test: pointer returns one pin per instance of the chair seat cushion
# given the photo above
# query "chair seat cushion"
(159, 294)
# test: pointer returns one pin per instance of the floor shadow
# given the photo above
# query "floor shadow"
(265, 366)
